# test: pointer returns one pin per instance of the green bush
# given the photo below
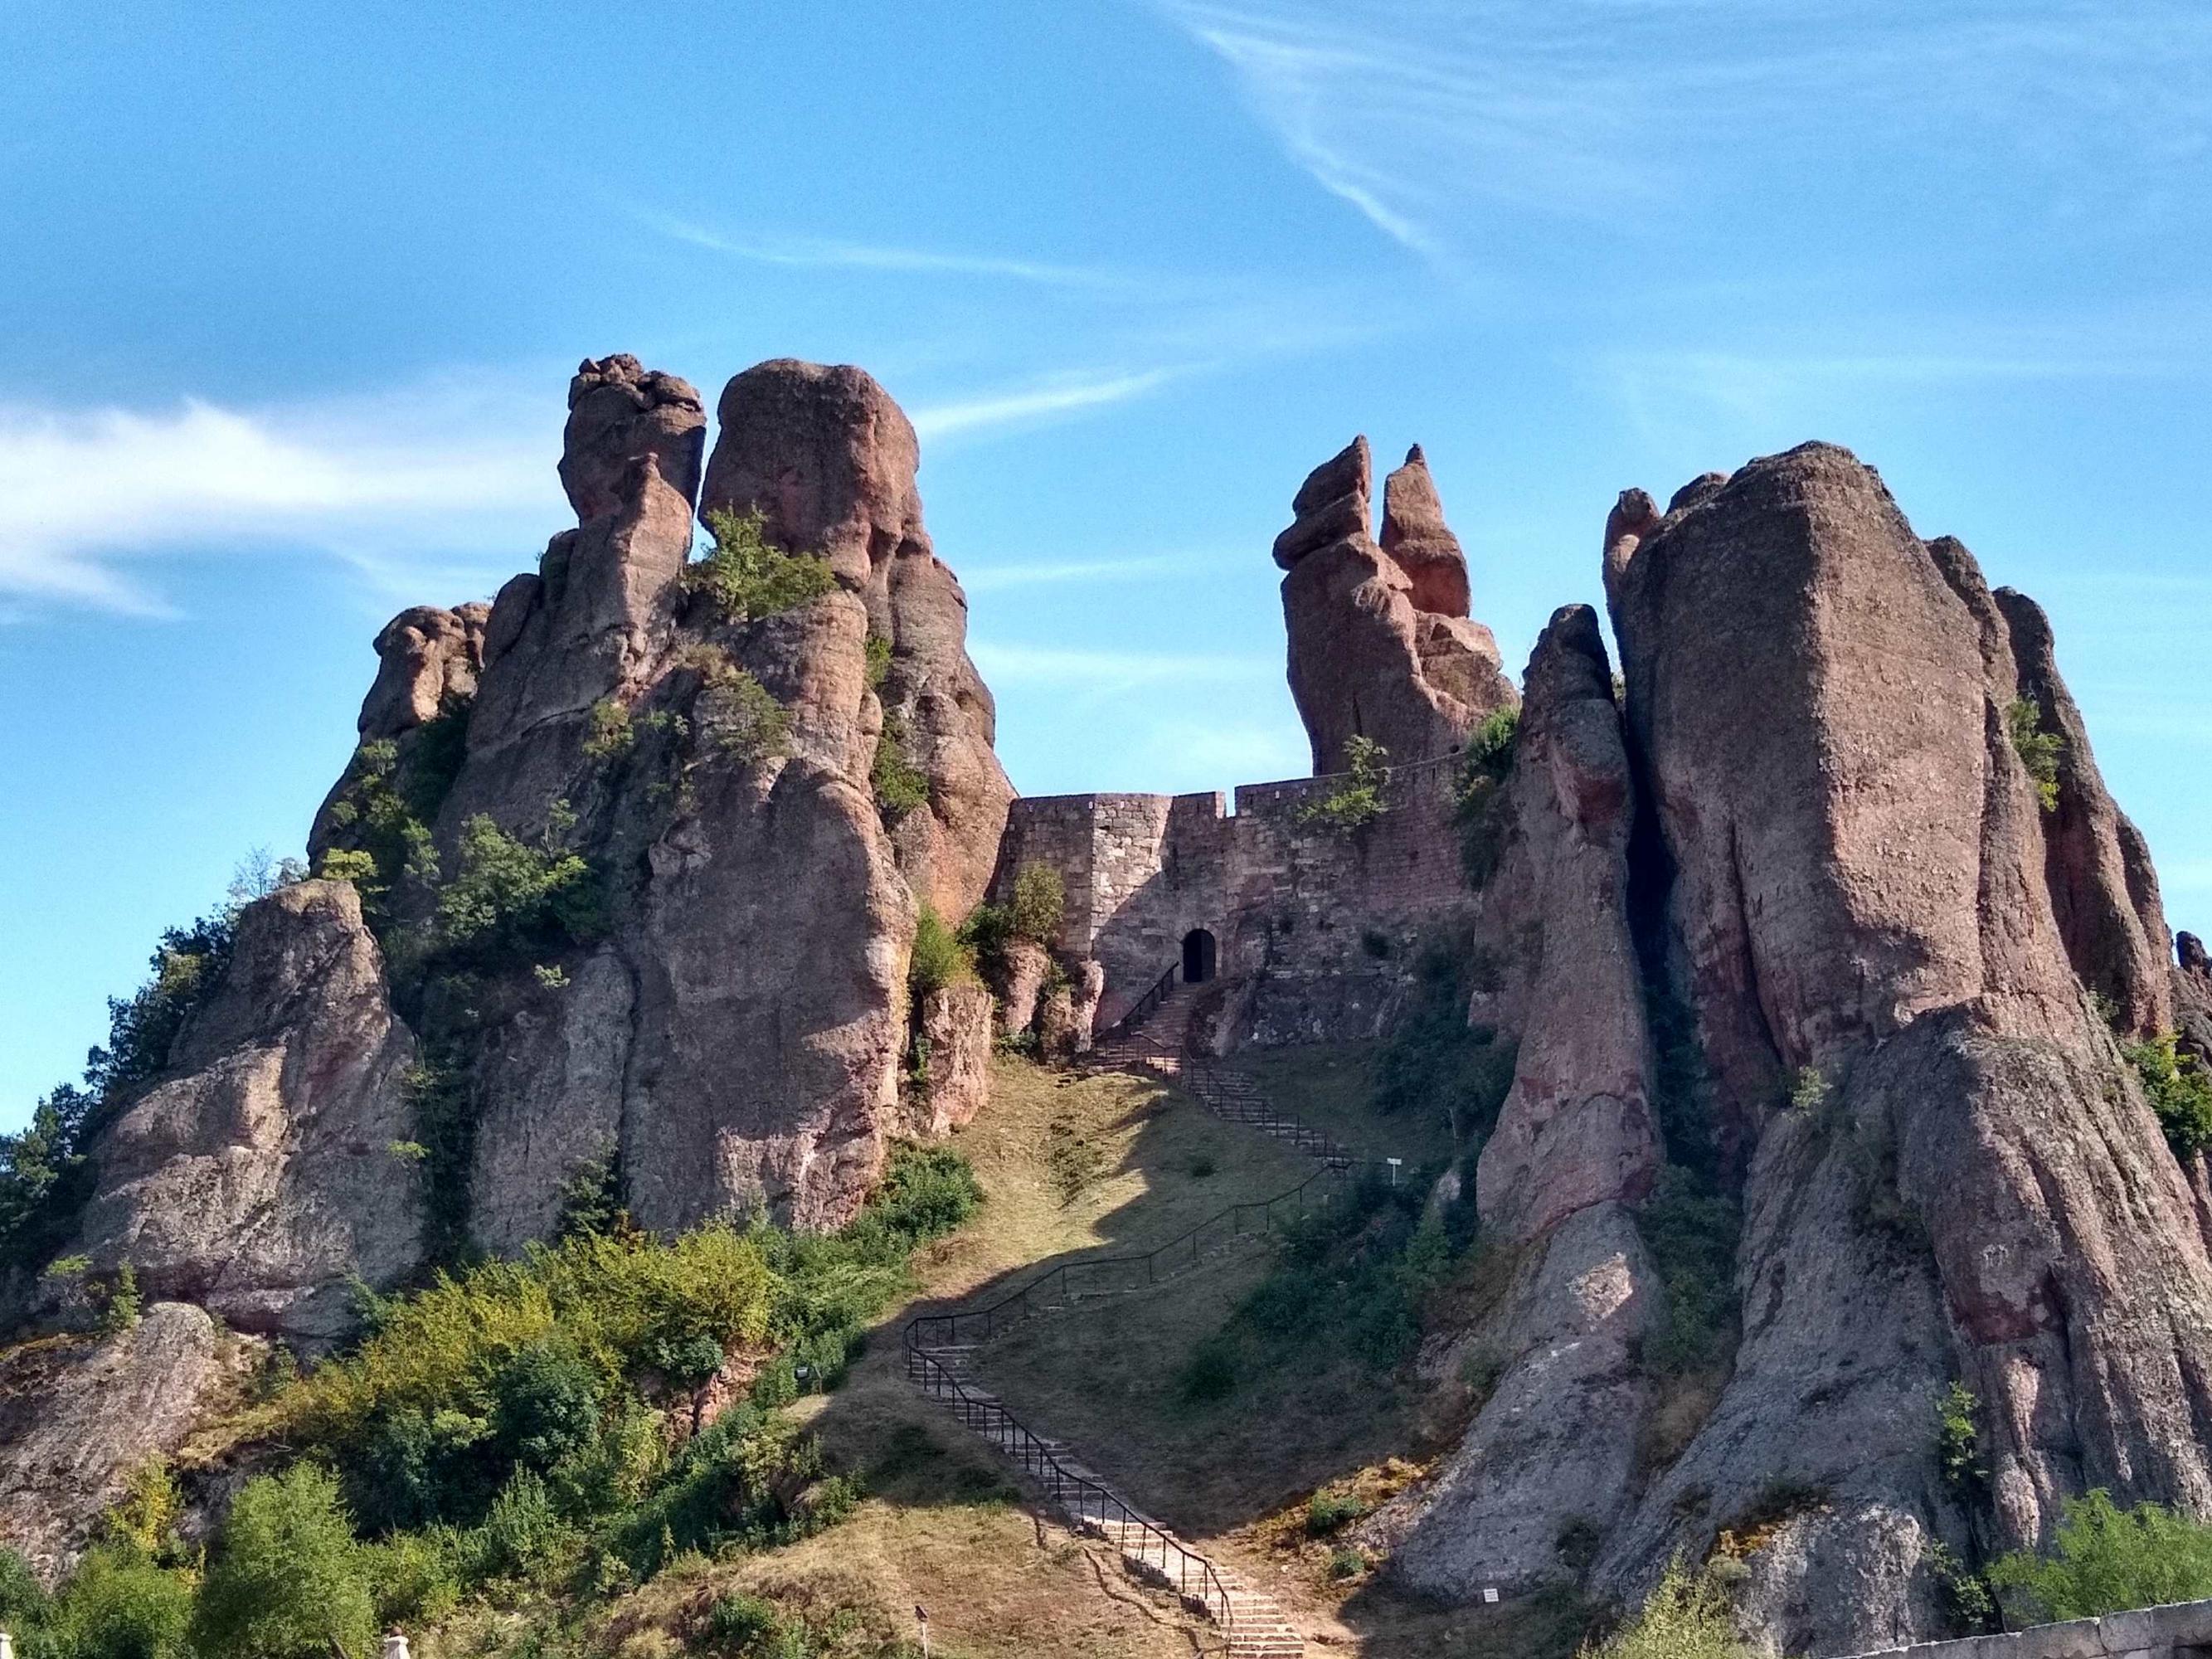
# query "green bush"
(2179, 1089)
(608, 733)
(1691, 1230)
(1357, 800)
(1482, 821)
(899, 785)
(938, 958)
(2107, 1559)
(119, 1605)
(745, 579)
(1959, 1442)
(23, 1600)
(1038, 904)
(391, 795)
(1434, 1061)
(1210, 1373)
(2039, 750)
(740, 716)
(289, 1581)
(1687, 1616)
(747, 1627)
(1331, 1511)
(510, 897)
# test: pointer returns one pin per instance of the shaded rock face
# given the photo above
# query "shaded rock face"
(1576, 1129)
(1863, 884)
(619, 412)
(955, 1027)
(829, 461)
(1380, 649)
(78, 1420)
(261, 1174)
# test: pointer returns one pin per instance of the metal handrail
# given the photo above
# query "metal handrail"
(945, 1330)
(993, 1421)
(1156, 994)
(1201, 1076)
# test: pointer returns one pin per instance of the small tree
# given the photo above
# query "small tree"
(1686, 1617)
(2108, 1559)
(2039, 750)
(744, 578)
(289, 1581)
(1357, 800)
(1039, 904)
(938, 958)
(119, 1605)
(2179, 1090)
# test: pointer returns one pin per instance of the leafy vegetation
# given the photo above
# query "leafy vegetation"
(1482, 822)
(1033, 911)
(1357, 800)
(608, 731)
(739, 716)
(938, 958)
(1691, 1230)
(1434, 1061)
(899, 785)
(2039, 750)
(381, 820)
(1959, 1443)
(2107, 1559)
(513, 899)
(2180, 1091)
(743, 578)
(517, 1431)
(1687, 1616)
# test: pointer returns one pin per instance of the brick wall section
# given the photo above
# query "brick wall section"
(1320, 925)
(2180, 1631)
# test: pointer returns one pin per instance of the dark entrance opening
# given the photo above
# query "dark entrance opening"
(1198, 957)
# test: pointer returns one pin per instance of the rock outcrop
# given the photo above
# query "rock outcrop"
(1378, 649)
(1862, 890)
(829, 461)
(270, 1166)
(80, 1417)
(1553, 1451)
(426, 659)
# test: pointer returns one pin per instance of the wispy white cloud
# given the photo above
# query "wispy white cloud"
(1037, 400)
(438, 480)
(1421, 113)
(821, 253)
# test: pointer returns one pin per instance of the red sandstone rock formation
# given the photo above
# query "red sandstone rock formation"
(1866, 886)
(1378, 649)
(830, 460)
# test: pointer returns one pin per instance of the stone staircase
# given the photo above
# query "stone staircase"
(941, 1364)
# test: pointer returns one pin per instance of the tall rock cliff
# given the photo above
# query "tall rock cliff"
(1381, 645)
(1870, 914)
(643, 908)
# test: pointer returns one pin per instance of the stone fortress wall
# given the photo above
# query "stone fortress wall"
(2181, 1631)
(1314, 929)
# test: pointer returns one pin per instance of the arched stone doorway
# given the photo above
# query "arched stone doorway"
(1201, 956)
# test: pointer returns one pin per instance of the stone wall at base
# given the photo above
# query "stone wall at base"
(2182, 1630)
(1314, 925)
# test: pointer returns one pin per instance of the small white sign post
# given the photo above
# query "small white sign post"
(1393, 1162)
(395, 1647)
(920, 1617)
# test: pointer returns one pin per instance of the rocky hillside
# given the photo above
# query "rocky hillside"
(1851, 1165)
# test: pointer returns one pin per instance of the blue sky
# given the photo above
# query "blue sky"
(293, 294)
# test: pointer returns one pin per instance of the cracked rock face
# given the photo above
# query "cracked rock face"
(1865, 885)
(1378, 648)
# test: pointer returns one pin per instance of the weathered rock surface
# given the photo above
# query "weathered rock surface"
(425, 659)
(1862, 887)
(1552, 1451)
(262, 1173)
(1576, 1129)
(1368, 657)
(619, 412)
(78, 1417)
(956, 1026)
(829, 461)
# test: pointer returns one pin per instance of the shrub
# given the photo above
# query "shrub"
(1357, 800)
(2179, 1089)
(938, 958)
(415, 1577)
(608, 733)
(1433, 1060)
(1331, 1511)
(385, 806)
(1959, 1442)
(289, 1581)
(1210, 1373)
(899, 785)
(124, 1304)
(1808, 1090)
(147, 1513)
(878, 657)
(745, 579)
(2107, 1559)
(23, 1600)
(2039, 750)
(740, 716)
(1038, 904)
(119, 1605)
(510, 896)
(748, 1627)
(1691, 1230)
(1686, 1617)
(1489, 762)
(1347, 1564)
